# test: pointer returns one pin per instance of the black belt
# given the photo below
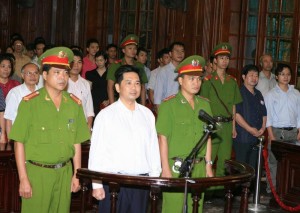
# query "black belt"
(49, 166)
(286, 128)
(223, 119)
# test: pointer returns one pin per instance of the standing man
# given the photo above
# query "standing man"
(223, 92)
(267, 79)
(89, 63)
(179, 130)
(166, 85)
(283, 114)
(251, 117)
(129, 48)
(111, 51)
(81, 88)
(132, 150)
(48, 130)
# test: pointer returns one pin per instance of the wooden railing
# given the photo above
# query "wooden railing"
(238, 174)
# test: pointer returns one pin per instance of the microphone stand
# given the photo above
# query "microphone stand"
(188, 163)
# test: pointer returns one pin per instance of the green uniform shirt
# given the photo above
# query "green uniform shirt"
(49, 135)
(228, 92)
(113, 67)
(180, 124)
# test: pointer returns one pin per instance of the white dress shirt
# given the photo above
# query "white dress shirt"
(82, 90)
(264, 84)
(283, 107)
(152, 80)
(13, 99)
(124, 141)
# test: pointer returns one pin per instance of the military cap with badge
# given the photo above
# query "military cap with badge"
(222, 49)
(129, 39)
(192, 65)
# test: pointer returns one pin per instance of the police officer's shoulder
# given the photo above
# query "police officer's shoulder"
(31, 96)
(118, 61)
(75, 99)
(231, 77)
(169, 98)
(202, 98)
(208, 77)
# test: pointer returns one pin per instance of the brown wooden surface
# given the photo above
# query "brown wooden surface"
(288, 171)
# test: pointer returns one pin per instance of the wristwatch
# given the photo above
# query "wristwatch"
(209, 162)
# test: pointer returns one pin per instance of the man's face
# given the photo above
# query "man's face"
(166, 59)
(142, 57)
(18, 46)
(31, 74)
(190, 84)
(130, 50)
(251, 79)
(284, 77)
(267, 63)
(177, 53)
(56, 78)
(39, 49)
(5, 69)
(77, 66)
(222, 61)
(100, 61)
(112, 53)
(130, 87)
(93, 49)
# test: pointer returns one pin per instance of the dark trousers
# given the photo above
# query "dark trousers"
(130, 200)
(246, 153)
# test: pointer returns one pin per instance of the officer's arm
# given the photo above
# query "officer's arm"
(77, 164)
(110, 91)
(164, 156)
(25, 189)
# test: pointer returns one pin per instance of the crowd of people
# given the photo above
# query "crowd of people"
(139, 122)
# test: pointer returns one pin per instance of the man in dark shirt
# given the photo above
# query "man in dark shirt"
(251, 116)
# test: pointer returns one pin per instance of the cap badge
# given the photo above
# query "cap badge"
(62, 54)
(195, 63)
(132, 38)
(224, 47)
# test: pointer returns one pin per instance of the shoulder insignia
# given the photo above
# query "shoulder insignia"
(203, 98)
(169, 98)
(31, 96)
(230, 77)
(118, 61)
(74, 98)
(207, 77)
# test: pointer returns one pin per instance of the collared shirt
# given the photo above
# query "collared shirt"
(252, 109)
(88, 65)
(152, 80)
(82, 89)
(283, 107)
(124, 141)
(13, 100)
(8, 86)
(166, 85)
(264, 84)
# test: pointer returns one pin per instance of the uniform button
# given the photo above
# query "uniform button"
(43, 128)
(59, 129)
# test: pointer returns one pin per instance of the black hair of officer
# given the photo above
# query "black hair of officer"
(119, 74)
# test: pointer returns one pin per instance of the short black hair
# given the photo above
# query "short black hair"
(9, 57)
(75, 47)
(119, 74)
(280, 67)
(90, 41)
(101, 53)
(78, 53)
(162, 52)
(178, 43)
(141, 49)
(39, 40)
(111, 46)
(248, 68)
(30, 46)
(17, 39)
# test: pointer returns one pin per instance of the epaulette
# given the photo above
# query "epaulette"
(118, 61)
(169, 98)
(208, 77)
(230, 76)
(31, 96)
(206, 99)
(76, 99)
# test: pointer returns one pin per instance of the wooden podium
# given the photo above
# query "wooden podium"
(287, 154)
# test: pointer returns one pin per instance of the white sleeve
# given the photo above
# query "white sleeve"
(159, 87)
(269, 107)
(12, 104)
(89, 104)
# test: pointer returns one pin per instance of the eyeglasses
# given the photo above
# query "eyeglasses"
(31, 73)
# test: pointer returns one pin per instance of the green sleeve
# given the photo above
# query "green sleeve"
(19, 130)
(111, 72)
(164, 120)
(83, 132)
(142, 72)
(237, 94)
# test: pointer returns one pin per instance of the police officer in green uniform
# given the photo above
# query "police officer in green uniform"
(179, 130)
(48, 132)
(223, 92)
(129, 48)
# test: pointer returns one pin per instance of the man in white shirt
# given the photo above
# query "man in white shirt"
(124, 141)
(30, 75)
(81, 88)
(267, 79)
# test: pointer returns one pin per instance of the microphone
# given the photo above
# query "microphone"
(208, 119)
